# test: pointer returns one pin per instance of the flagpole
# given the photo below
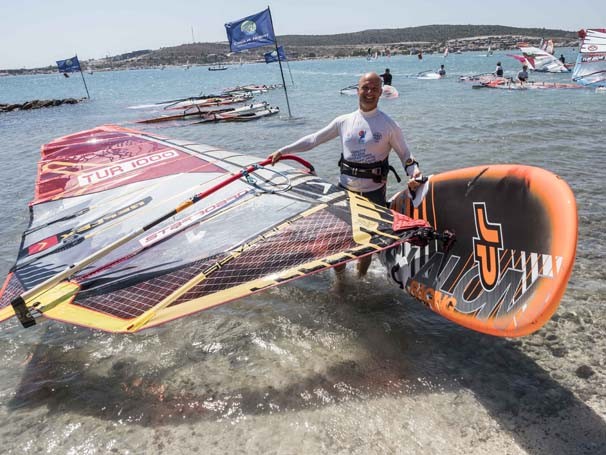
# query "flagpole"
(279, 62)
(83, 80)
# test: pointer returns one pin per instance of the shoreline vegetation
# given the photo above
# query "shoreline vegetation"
(428, 39)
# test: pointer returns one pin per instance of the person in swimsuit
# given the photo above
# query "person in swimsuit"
(368, 135)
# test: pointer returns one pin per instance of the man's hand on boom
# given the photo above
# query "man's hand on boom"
(275, 157)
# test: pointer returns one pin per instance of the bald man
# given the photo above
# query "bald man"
(367, 137)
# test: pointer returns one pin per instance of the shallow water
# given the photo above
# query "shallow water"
(314, 366)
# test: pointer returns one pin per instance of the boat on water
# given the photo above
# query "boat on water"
(590, 66)
(141, 230)
(219, 67)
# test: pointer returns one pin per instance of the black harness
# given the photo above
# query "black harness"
(376, 171)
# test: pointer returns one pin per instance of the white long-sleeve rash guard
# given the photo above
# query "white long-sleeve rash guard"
(366, 137)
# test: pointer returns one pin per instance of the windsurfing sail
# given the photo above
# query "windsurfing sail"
(115, 242)
(208, 112)
(590, 67)
(522, 60)
(547, 46)
(542, 61)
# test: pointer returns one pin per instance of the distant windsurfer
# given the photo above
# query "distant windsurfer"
(562, 59)
(498, 72)
(523, 75)
(442, 71)
(386, 76)
(367, 137)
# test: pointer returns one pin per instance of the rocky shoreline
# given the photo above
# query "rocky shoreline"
(38, 104)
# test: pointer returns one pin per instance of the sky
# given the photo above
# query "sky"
(35, 33)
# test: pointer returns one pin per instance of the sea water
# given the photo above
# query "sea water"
(317, 366)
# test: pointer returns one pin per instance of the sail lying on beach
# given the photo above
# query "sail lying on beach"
(590, 67)
(115, 243)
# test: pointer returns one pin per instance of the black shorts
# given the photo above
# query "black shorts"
(378, 196)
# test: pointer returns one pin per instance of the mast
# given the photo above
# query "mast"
(279, 62)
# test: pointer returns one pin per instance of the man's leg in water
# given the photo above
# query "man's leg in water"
(363, 265)
(339, 269)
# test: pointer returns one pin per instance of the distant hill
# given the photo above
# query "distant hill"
(425, 33)
(426, 38)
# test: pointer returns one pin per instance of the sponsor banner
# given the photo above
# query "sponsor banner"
(250, 32)
(68, 65)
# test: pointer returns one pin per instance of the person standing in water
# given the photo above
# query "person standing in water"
(386, 76)
(368, 135)
(442, 71)
(523, 75)
(498, 72)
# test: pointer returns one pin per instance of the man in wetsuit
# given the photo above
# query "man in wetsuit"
(498, 72)
(386, 76)
(442, 71)
(367, 137)
(523, 75)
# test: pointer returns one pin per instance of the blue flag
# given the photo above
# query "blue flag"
(273, 55)
(250, 32)
(69, 65)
